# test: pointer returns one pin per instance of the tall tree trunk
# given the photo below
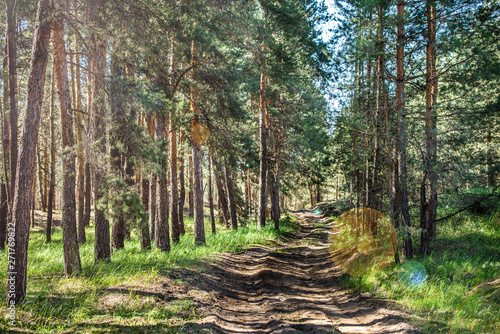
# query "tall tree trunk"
(6, 126)
(382, 107)
(247, 192)
(162, 237)
(210, 197)
(43, 204)
(153, 186)
(3, 215)
(18, 248)
(277, 213)
(115, 100)
(173, 157)
(72, 261)
(223, 205)
(80, 150)
(189, 170)
(118, 228)
(52, 184)
(400, 109)
(88, 195)
(261, 221)
(151, 208)
(271, 189)
(102, 249)
(182, 186)
(174, 181)
(89, 149)
(145, 238)
(197, 170)
(230, 195)
(428, 225)
(46, 170)
(33, 197)
(12, 58)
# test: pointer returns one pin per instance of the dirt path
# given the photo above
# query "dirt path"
(289, 289)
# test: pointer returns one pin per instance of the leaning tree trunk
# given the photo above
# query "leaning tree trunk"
(18, 248)
(72, 261)
(400, 109)
(261, 222)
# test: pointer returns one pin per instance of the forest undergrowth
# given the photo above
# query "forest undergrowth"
(136, 292)
(461, 291)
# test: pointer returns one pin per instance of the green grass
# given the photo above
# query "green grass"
(466, 254)
(79, 304)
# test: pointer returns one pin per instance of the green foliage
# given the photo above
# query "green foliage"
(123, 200)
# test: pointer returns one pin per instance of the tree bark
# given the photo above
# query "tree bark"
(230, 195)
(6, 126)
(428, 224)
(52, 184)
(102, 249)
(197, 170)
(115, 99)
(400, 109)
(145, 238)
(72, 261)
(210, 197)
(221, 192)
(277, 212)
(43, 204)
(80, 151)
(182, 186)
(12, 58)
(18, 245)
(191, 186)
(153, 186)
(162, 237)
(3, 215)
(88, 196)
(173, 159)
(261, 222)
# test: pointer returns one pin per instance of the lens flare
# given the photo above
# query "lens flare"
(200, 133)
(318, 211)
(412, 275)
(362, 239)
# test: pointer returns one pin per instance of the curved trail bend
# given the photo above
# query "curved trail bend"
(289, 289)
